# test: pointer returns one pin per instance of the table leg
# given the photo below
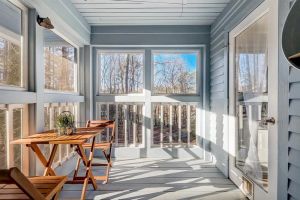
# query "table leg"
(88, 164)
(47, 164)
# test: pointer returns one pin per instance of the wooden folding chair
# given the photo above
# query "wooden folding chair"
(14, 185)
(105, 147)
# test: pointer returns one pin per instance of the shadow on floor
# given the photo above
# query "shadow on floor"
(159, 179)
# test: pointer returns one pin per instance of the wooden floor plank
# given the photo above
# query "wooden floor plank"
(160, 179)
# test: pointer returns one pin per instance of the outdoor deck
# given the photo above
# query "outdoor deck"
(160, 179)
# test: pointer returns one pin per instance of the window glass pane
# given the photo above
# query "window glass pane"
(3, 146)
(175, 73)
(10, 45)
(60, 60)
(11, 17)
(120, 73)
(17, 134)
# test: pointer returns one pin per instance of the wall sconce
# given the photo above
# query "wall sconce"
(44, 22)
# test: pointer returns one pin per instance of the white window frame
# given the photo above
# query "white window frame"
(9, 134)
(76, 70)
(98, 65)
(23, 41)
(147, 98)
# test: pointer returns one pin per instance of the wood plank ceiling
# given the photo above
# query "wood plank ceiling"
(150, 12)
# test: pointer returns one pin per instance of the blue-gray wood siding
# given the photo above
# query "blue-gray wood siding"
(289, 119)
(293, 148)
(150, 35)
(233, 14)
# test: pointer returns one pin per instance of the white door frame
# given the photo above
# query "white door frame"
(270, 7)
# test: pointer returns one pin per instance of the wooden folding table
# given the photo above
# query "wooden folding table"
(77, 139)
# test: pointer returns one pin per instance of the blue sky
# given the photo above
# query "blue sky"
(189, 58)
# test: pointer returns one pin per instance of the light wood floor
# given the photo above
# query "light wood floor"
(160, 179)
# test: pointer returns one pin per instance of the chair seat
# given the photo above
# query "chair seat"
(47, 185)
(103, 146)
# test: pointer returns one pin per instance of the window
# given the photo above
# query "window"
(13, 61)
(51, 111)
(119, 95)
(60, 60)
(175, 73)
(120, 72)
(13, 126)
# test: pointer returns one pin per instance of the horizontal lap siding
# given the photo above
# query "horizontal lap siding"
(218, 83)
(234, 13)
(294, 135)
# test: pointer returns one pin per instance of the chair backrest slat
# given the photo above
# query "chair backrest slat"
(15, 176)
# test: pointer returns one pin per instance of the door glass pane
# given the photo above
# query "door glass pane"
(3, 129)
(252, 101)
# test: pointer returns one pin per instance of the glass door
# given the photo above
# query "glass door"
(252, 99)
(251, 94)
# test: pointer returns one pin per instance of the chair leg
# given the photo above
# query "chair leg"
(56, 196)
(77, 167)
(107, 156)
(107, 173)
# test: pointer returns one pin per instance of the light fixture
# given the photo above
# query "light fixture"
(44, 22)
(291, 36)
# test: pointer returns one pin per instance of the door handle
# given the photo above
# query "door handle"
(270, 120)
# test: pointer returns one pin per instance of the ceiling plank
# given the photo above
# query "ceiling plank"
(150, 12)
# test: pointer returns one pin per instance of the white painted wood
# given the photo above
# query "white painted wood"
(161, 125)
(171, 124)
(189, 125)
(66, 19)
(165, 12)
(134, 125)
(125, 110)
(159, 179)
(179, 124)
(117, 125)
